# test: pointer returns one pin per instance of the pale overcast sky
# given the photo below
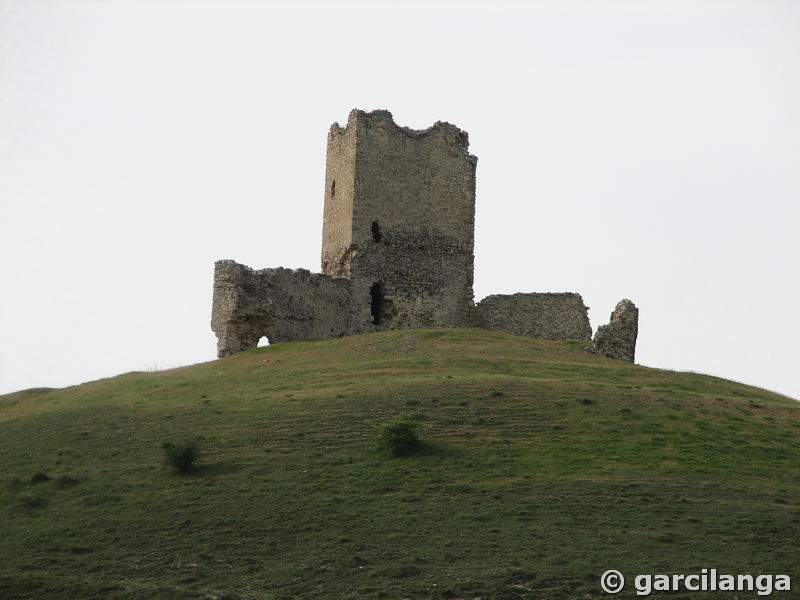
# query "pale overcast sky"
(639, 149)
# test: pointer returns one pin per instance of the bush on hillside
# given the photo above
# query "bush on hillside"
(181, 456)
(399, 436)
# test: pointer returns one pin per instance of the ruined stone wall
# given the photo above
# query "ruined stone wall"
(618, 338)
(281, 304)
(411, 235)
(548, 316)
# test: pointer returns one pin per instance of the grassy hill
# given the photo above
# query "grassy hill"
(542, 467)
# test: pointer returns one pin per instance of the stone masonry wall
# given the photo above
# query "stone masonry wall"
(548, 316)
(281, 304)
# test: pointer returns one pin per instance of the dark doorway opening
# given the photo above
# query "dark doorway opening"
(377, 303)
(376, 231)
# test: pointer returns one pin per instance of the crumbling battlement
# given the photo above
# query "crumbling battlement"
(547, 316)
(397, 252)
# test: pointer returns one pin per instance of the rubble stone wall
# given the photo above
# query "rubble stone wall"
(618, 338)
(281, 304)
(548, 316)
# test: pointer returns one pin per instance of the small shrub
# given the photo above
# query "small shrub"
(181, 456)
(399, 436)
(39, 477)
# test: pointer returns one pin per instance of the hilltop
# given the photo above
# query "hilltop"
(542, 467)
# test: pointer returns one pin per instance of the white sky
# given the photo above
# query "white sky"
(638, 149)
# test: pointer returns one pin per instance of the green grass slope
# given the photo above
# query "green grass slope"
(542, 467)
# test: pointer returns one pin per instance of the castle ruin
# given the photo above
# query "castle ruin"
(397, 253)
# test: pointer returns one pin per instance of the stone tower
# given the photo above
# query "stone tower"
(399, 219)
